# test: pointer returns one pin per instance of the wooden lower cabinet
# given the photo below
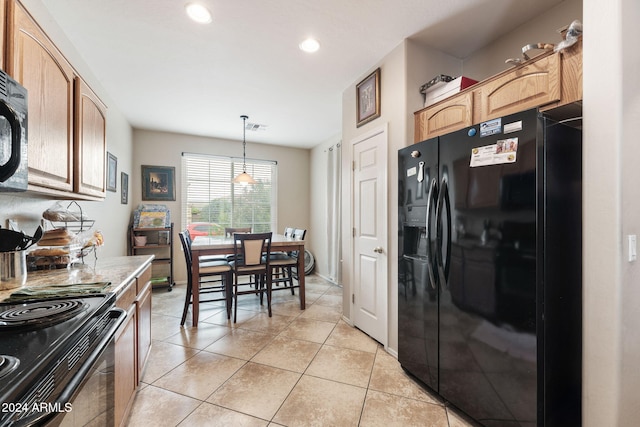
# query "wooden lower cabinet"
(143, 307)
(125, 367)
(133, 342)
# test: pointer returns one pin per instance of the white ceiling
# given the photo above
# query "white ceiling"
(165, 72)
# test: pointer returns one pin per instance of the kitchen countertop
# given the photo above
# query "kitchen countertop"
(117, 270)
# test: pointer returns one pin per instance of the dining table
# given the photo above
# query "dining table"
(203, 246)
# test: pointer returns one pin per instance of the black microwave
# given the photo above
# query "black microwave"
(13, 135)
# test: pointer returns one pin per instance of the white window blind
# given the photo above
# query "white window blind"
(209, 196)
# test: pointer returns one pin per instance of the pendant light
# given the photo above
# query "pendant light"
(244, 178)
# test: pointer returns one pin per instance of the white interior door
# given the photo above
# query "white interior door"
(369, 192)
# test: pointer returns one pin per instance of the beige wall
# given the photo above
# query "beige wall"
(110, 216)
(165, 149)
(393, 112)
(543, 29)
(611, 212)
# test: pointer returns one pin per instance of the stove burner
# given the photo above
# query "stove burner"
(40, 313)
(8, 364)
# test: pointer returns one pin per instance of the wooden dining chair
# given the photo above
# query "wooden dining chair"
(230, 231)
(215, 278)
(206, 258)
(288, 232)
(249, 261)
(282, 266)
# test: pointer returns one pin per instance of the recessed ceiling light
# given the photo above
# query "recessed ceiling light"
(309, 45)
(198, 13)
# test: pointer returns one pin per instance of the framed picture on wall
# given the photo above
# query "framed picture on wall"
(368, 98)
(124, 188)
(112, 170)
(158, 183)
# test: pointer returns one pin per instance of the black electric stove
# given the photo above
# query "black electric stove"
(45, 346)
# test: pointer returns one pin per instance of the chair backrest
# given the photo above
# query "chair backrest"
(252, 249)
(230, 231)
(187, 237)
(299, 233)
(185, 240)
(288, 231)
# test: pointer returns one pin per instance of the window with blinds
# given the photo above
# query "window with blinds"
(211, 202)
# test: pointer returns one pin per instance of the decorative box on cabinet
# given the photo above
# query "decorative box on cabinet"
(157, 242)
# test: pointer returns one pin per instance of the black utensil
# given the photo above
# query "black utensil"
(33, 240)
(11, 240)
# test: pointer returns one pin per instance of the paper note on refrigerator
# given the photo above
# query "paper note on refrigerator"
(503, 151)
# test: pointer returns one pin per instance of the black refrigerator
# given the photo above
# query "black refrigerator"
(490, 269)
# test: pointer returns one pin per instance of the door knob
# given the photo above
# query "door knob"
(378, 250)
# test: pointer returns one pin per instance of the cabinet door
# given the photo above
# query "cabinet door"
(125, 367)
(528, 86)
(90, 142)
(35, 62)
(143, 310)
(444, 117)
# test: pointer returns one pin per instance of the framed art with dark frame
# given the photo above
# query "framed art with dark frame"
(368, 98)
(158, 183)
(124, 188)
(112, 171)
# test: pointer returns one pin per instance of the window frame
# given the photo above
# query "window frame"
(235, 166)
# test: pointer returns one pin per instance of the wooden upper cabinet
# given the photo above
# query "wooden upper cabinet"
(528, 86)
(3, 32)
(444, 117)
(548, 81)
(36, 63)
(571, 76)
(90, 141)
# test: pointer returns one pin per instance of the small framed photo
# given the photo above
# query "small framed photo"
(158, 183)
(124, 188)
(112, 170)
(368, 98)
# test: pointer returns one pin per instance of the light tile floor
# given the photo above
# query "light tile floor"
(297, 368)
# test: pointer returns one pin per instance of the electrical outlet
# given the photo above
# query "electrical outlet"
(633, 255)
(12, 224)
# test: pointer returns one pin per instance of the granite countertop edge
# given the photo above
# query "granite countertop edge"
(119, 271)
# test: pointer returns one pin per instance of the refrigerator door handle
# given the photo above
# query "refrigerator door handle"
(431, 201)
(443, 199)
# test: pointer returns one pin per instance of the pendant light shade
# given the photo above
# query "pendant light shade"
(244, 178)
